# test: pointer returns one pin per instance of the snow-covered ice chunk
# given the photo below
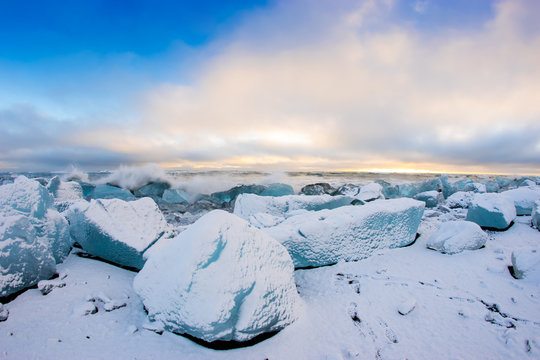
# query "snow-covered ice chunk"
(55, 230)
(491, 211)
(526, 264)
(220, 279)
(370, 192)
(347, 190)
(111, 192)
(348, 233)
(459, 199)
(117, 230)
(535, 220)
(4, 313)
(524, 198)
(24, 257)
(278, 189)
(453, 237)
(431, 198)
(25, 196)
(46, 286)
(176, 196)
(84, 309)
(248, 205)
(33, 235)
(407, 306)
(64, 193)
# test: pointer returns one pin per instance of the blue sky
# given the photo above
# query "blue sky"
(277, 85)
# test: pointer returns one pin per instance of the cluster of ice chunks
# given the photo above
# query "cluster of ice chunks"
(34, 237)
(253, 207)
(453, 237)
(348, 233)
(220, 279)
(116, 230)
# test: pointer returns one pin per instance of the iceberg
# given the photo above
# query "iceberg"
(117, 230)
(453, 237)
(281, 207)
(220, 279)
(493, 211)
(524, 198)
(350, 232)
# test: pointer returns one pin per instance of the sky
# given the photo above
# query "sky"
(338, 85)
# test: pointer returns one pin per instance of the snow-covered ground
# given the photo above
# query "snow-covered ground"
(462, 306)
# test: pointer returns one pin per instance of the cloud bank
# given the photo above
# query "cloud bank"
(326, 85)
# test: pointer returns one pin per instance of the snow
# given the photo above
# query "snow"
(536, 215)
(455, 236)
(220, 279)
(281, 207)
(526, 264)
(491, 210)
(117, 230)
(431, 198)
(524, 198)
(348, 233)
